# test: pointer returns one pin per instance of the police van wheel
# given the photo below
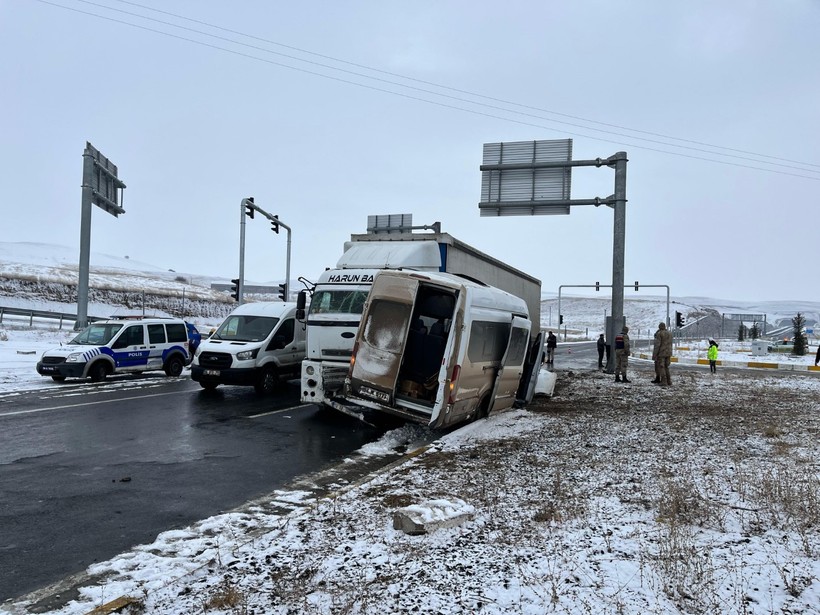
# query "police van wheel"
(58, 378)
(98, 372)
(174, 367)
(268, 381)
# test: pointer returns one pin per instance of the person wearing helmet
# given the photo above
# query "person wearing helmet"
(621, 354)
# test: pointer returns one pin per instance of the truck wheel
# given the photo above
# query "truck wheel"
(208, 386)
(268, 381)
(174, 366)
(98, 372)
(58, 378)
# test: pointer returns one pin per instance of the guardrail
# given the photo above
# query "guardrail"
(32, 314)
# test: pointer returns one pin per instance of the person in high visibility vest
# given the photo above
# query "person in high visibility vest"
(712, 355)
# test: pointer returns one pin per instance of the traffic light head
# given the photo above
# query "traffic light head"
(560, 319)
(249, 209)
(283, 292)
(274, 224)
(679, 320)
(597, 286)
(235, 288)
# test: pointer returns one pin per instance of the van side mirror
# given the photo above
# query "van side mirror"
(301, 301)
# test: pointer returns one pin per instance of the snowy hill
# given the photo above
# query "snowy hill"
(48, 267)
(586, 315)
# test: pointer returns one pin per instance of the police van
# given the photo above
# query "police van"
(120, 346)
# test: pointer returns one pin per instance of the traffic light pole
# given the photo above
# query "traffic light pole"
(598, 286)
(248, 208)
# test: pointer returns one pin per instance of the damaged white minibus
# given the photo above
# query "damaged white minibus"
(439, 349)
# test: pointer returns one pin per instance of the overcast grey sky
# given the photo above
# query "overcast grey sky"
(326, 112)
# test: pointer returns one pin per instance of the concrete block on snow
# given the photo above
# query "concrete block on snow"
(431, 515)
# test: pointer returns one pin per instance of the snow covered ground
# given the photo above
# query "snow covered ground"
(700, 498)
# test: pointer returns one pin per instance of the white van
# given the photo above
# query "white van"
(438, 348)
(256, 345)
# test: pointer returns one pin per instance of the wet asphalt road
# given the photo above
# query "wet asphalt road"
(89, 470)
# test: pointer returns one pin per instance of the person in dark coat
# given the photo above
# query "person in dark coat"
(817, 358)
(552, 343)
(601, 350)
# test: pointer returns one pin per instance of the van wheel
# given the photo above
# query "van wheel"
(483, 409)
(209, 386)
(58, 378)
(268, 381)
(174, 366)
(98, 372)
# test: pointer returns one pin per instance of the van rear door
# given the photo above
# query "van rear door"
(382, 337)
(509, 373)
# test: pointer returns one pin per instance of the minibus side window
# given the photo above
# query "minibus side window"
(488, 341)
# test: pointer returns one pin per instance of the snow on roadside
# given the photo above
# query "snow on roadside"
(700, 498)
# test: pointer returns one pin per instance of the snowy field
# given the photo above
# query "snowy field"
(700, 498)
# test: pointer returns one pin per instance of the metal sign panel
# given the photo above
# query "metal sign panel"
(745, 317)
(526, 178)
(101, 176)
(390, 223)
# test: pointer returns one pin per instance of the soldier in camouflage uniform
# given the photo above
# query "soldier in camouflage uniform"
(622, 355)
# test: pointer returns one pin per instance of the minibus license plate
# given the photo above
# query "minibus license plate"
(374, 394)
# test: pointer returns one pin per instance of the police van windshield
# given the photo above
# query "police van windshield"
(246, 328)
(338, 302)
(96, 335)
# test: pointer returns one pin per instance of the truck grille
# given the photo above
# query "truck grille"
(215, 360)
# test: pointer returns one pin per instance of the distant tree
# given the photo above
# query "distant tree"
(754, 332)
(798, 325)
(741, 332)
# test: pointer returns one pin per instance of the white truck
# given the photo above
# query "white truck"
(340, 293)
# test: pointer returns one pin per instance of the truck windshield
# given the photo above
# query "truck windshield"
(96, 335)
(338, 302)
(246, 328)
